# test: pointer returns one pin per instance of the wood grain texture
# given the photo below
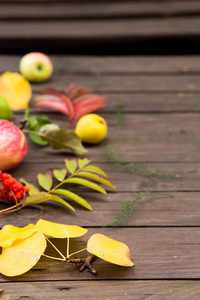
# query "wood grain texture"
(142, 138)
(86, 9)
(113, 64)
(158, 253)
(168, 209)
(128, 289)
(96, 30)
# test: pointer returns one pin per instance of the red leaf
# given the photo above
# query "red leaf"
(95, 100)
(69, 106)
(88, 109)
(60, 106)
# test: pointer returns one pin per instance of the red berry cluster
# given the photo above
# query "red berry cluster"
(11, 190)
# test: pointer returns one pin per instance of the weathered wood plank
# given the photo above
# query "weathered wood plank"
(158, 253)
(130, 182)
(141, 103)
(96, 9)
(128, 289)
(113, 64)
(125, 83)
(170, 209)
(142, 138)
(95, 31)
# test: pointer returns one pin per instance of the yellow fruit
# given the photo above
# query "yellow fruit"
(16, 89)
(5, 111)
(91, 129)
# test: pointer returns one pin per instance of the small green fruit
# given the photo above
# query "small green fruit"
(5, 111)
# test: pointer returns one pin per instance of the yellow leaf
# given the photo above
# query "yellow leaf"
(60, 230)
(16, 89)
(23, 255)
(9, 234)
(110, 250)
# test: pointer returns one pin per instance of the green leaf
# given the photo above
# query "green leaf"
(37, 198)
(62, 139)
(83, 162)
(87, 183)
(34, 124)
(60, 200)
(72, 196)
(60, 174)
(45, 181)
(33, 189)
(96, 178)
(95, 169)
(71, 165)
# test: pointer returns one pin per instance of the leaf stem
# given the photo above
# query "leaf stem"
(55, 258)
(64, 258)
(77, 252)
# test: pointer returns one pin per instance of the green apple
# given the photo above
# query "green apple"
(5, 111)
(36, 67)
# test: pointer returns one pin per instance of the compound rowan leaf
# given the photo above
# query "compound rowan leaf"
(72, 196)
(95, 169)
(87, 183)
(23, 255)
(83, 162)
(71, 165)
(109, 250)
(60, 200)
(33, 189)
(37, 198)
(96, 178)
(58, 230)
(60, 174)
(10, 233)
(16, 89)
(45, 180)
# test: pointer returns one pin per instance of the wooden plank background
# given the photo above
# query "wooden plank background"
(129, 27)
(160, 102)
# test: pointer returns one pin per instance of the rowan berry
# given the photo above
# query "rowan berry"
(5, 195)
(8, 182)
(26, 189)
(1, 189)
(0, 174)
(19, 195)
(17, 187)
(5, 176)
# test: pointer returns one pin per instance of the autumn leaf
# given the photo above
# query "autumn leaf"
(71, 165)
(16, 89)
(33, 189)
(37, 198)
(109, 250)
(62, 139)
(45, 180)
(58, 230)
(60, 174)
(9, 234)
(22, 255)
(74, 101)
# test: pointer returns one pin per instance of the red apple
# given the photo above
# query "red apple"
(36, 67)
(13, 145)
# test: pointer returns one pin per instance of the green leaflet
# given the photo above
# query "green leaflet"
(87, 183)
(45, 181)
(62, 138)
(60, 200)
(37, 198)
(33, 189)
(96, 178)
(60, 174)
(72, 196)
(71, 165)
(95, 169)
(34, 124)
(83, 162)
